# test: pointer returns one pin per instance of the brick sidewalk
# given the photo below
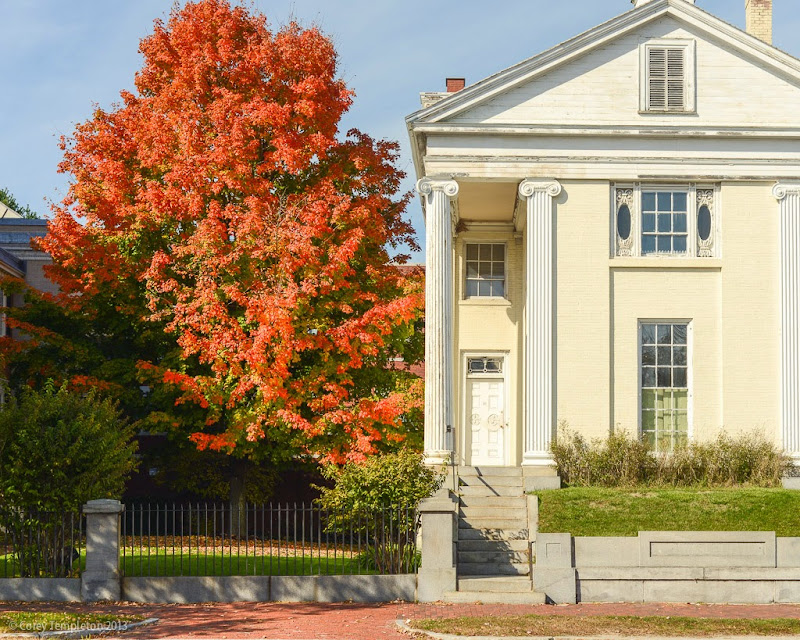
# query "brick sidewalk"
(311, 621)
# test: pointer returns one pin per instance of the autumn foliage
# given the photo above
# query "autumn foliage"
(220, 203)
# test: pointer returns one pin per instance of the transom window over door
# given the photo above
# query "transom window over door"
(664, 384)
(486, 270)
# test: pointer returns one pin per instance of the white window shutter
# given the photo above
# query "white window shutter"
(667, 79)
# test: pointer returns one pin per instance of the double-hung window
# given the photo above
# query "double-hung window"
(656, 220)
(486, 270)
(664, 384)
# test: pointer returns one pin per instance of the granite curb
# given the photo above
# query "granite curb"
(82, 633)
(404, 627)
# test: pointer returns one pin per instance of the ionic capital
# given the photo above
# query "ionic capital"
(783, 189)
(528, 187)
(426, 186)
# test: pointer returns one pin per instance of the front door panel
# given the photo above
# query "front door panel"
(487, 421)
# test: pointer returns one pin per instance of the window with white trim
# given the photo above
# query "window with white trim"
(667, 76)
(664, 384)
(656, 220)
(486, 270)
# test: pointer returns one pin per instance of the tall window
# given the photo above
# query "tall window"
(665, 384)
(486, 270)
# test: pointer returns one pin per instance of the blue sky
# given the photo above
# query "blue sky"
(59, 58)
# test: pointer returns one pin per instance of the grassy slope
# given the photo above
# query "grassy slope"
(618, 512)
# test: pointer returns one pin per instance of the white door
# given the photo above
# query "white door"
(487, 418)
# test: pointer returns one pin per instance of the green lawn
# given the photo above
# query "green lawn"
(586, 626)
(164, 563)
(9, 566)
(625, 512)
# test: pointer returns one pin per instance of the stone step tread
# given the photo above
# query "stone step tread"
(491, 545)
(492, 523)
(492, 534)
(494, 502)
(497, 556)
(489, 492)
(484, 568)
(469, 597)
(503, 512)
(490, 471)
(486, 481)
(496, 584)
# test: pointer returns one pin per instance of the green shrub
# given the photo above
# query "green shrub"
(377, 500)
(623, 460)
(59, 449)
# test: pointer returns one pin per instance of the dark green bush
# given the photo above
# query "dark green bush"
(623, 460)
(59, 449)
(376, 500)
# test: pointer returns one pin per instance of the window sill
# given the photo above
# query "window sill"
(485, 302)
(691, 112)
(665, 262)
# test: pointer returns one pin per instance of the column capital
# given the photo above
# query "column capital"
(783, 189)
(426, 186)
(529, 186)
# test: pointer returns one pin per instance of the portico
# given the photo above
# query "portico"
(493, 404)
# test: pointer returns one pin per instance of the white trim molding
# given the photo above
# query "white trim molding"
(437, 195)
(538, 416)
(788, 195)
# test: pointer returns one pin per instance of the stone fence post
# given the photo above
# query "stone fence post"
(101, 578)
(437, 573)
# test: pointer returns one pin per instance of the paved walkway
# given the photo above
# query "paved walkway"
(310, 621)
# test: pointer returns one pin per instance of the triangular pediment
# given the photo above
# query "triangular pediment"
(593, 79)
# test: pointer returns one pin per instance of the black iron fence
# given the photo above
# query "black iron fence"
(206, 539)
(38, 544)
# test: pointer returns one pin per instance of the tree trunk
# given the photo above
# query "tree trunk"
(238, 498)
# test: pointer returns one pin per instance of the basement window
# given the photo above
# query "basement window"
(667, 76)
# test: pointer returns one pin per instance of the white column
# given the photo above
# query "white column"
(789, 197)
(538, 359)
(438, 318)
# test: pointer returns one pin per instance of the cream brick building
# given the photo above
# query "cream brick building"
(613, 240)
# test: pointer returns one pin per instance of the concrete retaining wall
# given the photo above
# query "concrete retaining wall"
(41, 589)
(270, 589)
(674, 566)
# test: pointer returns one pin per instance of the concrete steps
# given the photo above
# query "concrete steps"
(512, 503)
(493, 547)
(492, 534)
(495, 584)
(490, 472)
(495, 556)
(488, 597)
(482, 490)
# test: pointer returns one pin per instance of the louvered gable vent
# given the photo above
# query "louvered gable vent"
(666, 77)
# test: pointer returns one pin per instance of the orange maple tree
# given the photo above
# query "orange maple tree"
(222, 195)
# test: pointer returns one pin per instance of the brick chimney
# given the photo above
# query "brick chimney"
(759, 19)
(455, 84)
